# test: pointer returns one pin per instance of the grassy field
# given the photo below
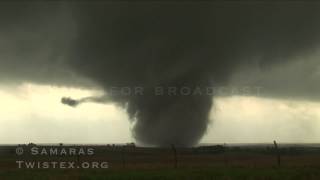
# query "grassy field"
(179, 173)
(161, 163)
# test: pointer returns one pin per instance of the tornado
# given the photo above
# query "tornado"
(177, 45)
(161, 45)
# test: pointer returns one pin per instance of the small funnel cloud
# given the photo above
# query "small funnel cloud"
(74, 103)
(70, 102)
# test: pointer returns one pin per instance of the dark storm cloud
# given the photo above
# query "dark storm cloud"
(162, 44)
(34, 39)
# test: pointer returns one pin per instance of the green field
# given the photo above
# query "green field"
(180, 173)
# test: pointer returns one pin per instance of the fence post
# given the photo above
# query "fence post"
(278, 152)
(225, 158)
